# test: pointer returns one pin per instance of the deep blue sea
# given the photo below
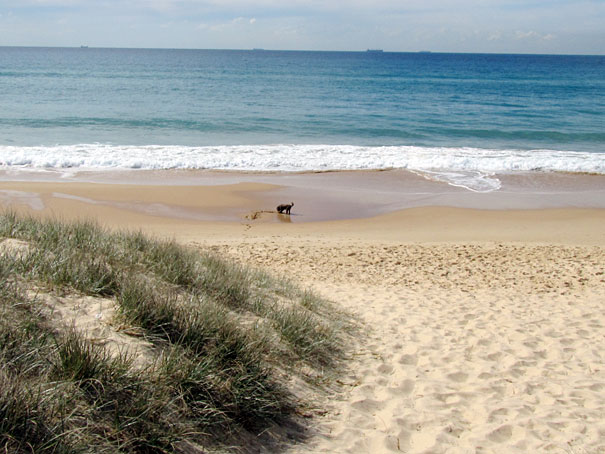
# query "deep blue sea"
(95, 108)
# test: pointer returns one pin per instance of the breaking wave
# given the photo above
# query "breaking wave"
(473, 168)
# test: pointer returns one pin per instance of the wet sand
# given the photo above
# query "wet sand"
(329, 196)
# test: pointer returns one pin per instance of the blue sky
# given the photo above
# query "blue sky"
(530, 26)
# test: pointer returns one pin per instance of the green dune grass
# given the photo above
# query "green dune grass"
(226, 339)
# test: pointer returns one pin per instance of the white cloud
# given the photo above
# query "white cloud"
(525, 35)
(534, 35)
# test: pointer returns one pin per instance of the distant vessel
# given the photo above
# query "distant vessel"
(375, 51)
(258, 49)
(83, 47)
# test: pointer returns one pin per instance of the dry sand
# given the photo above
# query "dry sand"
(476, 347)
(483, 330)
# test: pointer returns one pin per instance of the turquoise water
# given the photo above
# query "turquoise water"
(266, 110)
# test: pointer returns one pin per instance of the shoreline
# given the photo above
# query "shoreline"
(216, 196)
(388, 205)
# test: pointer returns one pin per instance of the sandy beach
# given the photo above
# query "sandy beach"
(482, 314)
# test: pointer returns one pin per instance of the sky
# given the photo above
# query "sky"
(494, 26)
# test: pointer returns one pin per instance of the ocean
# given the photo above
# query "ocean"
(453, 117)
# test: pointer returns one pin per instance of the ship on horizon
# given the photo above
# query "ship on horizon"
(375, 51)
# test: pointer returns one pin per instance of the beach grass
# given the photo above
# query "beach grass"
(224, 339)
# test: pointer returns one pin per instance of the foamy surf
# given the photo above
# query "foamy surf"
(471, 168)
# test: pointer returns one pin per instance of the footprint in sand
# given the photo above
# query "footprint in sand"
(458, 377)
(385, 369)
(497, 415)
(368, 405)
(494, 356)
(501, 434)
(405, 388)
(408, 360)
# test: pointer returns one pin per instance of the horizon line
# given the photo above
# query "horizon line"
(256, 49)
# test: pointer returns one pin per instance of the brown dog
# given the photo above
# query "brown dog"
(285, 207)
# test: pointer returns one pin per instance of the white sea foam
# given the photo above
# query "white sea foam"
(472, 168)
